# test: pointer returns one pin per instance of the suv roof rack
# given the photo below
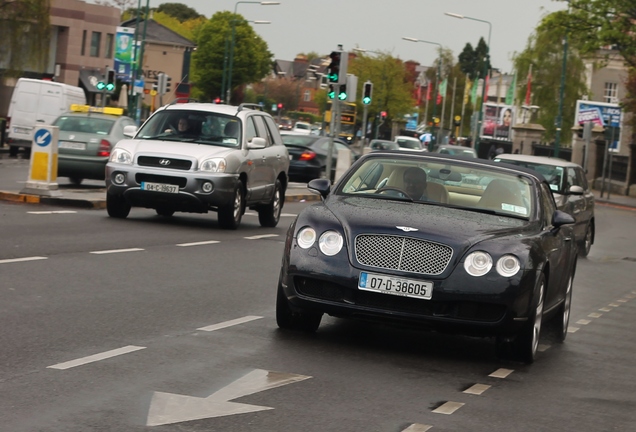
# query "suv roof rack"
(253, 106)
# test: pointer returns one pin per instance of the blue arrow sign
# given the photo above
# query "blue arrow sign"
(42, 137)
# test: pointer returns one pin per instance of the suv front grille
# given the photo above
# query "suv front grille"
(402, 253)
(164, 162)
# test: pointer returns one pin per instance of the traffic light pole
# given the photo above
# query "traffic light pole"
(335, 112)
(363, 135)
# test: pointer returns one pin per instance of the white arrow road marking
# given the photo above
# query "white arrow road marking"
(43, 138)
(169, 408)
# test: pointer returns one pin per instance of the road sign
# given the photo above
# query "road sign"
(42, 137)
(43, 163)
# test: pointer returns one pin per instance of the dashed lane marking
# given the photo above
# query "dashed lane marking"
(614, 305)
(13, 260)
(622, 301)
(605, 309)
(477, 389)
(448, 408)
(501, 373)
(199, 243)
(573, 329)
(583, 322)
(595, 315)
(416, 427)
(262, 236)
(543, 348)
(116, 251)
(96, 357)
(52, 212)
(230, 323)
(281, 215)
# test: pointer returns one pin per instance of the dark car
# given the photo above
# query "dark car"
(308, 156)
(378, 144)
(437, 251)
(571, 192)
(456, 150)
(86, 137)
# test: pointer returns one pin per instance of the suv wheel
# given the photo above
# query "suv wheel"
(230, 214)
(269, 214)
(116, 206)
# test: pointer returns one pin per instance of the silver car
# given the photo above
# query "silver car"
(570, 189)
(199, 157)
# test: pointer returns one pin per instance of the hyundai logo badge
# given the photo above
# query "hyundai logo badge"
(407, 229)
(164, 162)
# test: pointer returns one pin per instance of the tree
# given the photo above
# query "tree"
(187, 29)
(544, 51)
(179, 11)
(252, 59)
(121, 4)
(25, 33)
(472, 60)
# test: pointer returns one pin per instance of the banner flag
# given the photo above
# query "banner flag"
(510, 95)
(529, 88)
(466, 89)
(473, 95)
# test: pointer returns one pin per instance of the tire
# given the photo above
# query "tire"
(524, 347)
(287, 319)
(164, 212)
(13, 151)
(586, 245)
(269, 215)
(230, 215)
(76, 180)
(116, 206)
(562, 318)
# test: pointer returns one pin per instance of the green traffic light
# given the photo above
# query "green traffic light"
(110, 86)
(342, 96)
(366, 100)
(331, 94)
(101, 85)
(333, 77)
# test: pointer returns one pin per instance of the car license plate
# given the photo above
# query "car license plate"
(71, 145)
(21, 130)
(159, 187)
(395, 285)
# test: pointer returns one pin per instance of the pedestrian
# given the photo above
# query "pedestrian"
(492, 152)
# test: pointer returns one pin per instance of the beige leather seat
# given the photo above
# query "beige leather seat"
(435, 191)
(499, 194)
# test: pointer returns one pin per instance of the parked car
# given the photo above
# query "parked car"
(409, 143)
(285, 124)
(200, 157)
(571, 191)
(384, 244)
(302, 127)
(456, 150)
(86, 136)
(378, 144)
(309, 156)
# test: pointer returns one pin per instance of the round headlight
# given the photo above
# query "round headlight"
(478, 263)
(330, 243)
(214, 165)
(508, 265)
(306, 237)
(120, 155)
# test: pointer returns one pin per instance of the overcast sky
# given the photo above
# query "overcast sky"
(301, 26)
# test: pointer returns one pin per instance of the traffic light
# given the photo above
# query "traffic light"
(331, 94)
(383, 115)
(110, 80)
(168, 88)
(280, 106)
(342, 94)
(367, 92)
(337, 70)
(161, 83)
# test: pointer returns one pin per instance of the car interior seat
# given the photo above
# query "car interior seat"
(436, 192)
(500, 195)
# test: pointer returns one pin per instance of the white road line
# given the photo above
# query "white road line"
(477, 389)
(614, 305)
(250, 214)
(583, 322)
(595, 315)
(501, 373)
(116, 251)
(53, 212)
(230, 323)
(288, 215)
(448, 408)
(12, 260)
(543, 348)
(96, 357)
(199, 243)
(262, 236)
(416, 427)
(622, 301)
(630, 296)
(572, 329)
(604, 309)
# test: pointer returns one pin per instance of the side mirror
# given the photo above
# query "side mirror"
(130, 131)
(576, 190)
(560, 218)
(322, 186)
(257, 143)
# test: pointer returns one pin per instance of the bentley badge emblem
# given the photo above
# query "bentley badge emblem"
(164, 162)
(407, 229)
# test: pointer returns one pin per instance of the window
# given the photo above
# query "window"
(307, 96)
(83, 52)
(96, 39)
(109, 45)
(250, 130)
(611, 92)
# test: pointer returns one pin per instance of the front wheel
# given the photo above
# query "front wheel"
(290, 320)
(562, 318)
(526, 343)
(269, 214)
(230, 214)
(116, 206)
(587, 241)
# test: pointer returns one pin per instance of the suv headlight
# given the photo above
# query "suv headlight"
(478, 263)
(121, 156)
(213, 165)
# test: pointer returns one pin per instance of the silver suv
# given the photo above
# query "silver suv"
(199, 157)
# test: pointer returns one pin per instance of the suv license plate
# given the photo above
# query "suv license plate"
(395, 285)
(159, 187)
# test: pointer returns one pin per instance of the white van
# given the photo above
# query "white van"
(37, 102)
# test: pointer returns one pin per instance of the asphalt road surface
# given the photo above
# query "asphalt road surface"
(168, 324)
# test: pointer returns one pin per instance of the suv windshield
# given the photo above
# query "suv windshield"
(202, 127)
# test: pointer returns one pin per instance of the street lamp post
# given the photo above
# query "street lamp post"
(559, 119)
(439, 73)
(229, 78)
(486, 63)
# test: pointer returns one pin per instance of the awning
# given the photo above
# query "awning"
(89, 79)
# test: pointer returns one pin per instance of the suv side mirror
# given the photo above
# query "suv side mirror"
(257, 143)
(560, 218)
(576, 190)
(322, 186)
(130, 131)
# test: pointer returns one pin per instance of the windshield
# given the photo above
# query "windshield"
(79, 124)
(202, 127)
(409, 143)
(553, 174)
(450, 183)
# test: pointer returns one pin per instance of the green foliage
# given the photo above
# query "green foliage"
(174, 24)
(25, 33)
(252, 59)
(473, 60)
(179, 11)
(544, 51)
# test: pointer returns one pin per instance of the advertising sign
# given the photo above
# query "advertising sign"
(411, 121)
(497, 121)
(601, 114)
(124, 52)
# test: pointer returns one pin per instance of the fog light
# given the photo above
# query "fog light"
(207, 187)
(119, 179)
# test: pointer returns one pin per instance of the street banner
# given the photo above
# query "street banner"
(473, 96)
(529, 87)
(498, 121)
(510, 95)
(124, 53)
(466, 90)
(411, 121)
(602, 114)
